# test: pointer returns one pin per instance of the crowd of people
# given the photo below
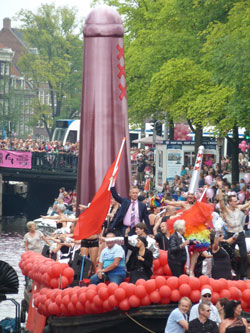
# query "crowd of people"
(225, 317)
(40, 146)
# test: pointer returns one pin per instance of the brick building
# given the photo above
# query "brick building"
(21, 93)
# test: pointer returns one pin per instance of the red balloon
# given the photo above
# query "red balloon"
(98, 301)
(244, 305)
(112, 287)
(103, 293)
(159, 271)
(173, 282)
(156, 264)
(165, 301)
(183, 279)
(155, 297)
(207, 286)
(80, 308)
(120, 294)
(54, 309)
(215, 284)
(194, 283)
(124, 305)
(64, 309)
(167, 270)
(140, 282)
(134, 301)
(88, 308)
(140, 291)
(225, 293)
(58, 299)
(66, 300)
(163, 258)
(215, 297)
(64, 282)
(56, 270)
(185, 290)
(101, 285)
(165, 292)
(54, 282)
(195, 296)
(150, 286)
(145, 301)
(69, 273)
(160, 281)
(90, 294)
(74, 298)
(246, 296)
(235, 293)
(129, 289)
(82, 297)
(107, 306)
(223, 283)
(241, 285)
(112, 301)
(175, 295)
(204, 280)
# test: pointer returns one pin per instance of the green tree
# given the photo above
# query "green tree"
(226, 55)
(184, 89)
(53, 62)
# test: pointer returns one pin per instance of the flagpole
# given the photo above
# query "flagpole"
(203, 193)
(117, 161)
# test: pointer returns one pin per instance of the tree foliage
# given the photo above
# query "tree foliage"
(53, 61)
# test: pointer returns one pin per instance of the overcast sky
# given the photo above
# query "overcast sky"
(9, 8)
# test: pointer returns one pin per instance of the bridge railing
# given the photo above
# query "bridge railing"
(64, 162)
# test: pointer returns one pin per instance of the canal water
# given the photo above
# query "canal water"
(12, 230)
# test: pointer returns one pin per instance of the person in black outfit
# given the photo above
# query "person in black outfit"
(163, 236)
(203, 323)
(122, 219)
(140, 261)
(178, 249)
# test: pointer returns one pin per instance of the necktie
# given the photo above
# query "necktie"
(132, 220)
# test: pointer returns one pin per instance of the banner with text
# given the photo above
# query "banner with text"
(14, 159)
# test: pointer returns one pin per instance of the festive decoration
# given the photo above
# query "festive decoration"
(45, 270)
(181, 132)
(157, 200)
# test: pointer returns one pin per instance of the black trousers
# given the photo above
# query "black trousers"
(243, 252)
(177, 269)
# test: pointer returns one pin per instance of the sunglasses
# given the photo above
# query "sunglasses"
(206, 295)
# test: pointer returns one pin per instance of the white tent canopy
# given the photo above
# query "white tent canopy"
(148, 140)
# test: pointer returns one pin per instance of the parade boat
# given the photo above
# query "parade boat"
(61, 299)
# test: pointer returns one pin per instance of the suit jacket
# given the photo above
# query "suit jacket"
(125, 203)
(175, 253)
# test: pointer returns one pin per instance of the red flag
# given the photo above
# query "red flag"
(91, 220)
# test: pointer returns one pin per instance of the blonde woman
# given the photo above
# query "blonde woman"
(32, 240)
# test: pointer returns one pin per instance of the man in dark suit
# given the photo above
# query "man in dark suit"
(131, 212)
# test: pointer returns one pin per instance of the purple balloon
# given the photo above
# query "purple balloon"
(241, 197)
(210, 193)
(208, 180)
(246, 178)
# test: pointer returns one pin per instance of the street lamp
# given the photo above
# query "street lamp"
(220, 141)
